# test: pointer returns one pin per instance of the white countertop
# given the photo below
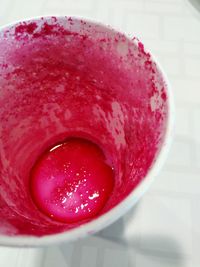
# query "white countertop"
(163, 230)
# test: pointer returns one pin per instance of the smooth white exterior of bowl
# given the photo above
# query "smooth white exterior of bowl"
(119, 210)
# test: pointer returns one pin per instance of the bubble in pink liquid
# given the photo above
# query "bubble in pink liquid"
(72, 181)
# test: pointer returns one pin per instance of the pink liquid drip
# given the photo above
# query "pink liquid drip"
(72, 181)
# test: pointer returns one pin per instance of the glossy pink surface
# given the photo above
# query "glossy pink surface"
(72, 181)
(62, 78)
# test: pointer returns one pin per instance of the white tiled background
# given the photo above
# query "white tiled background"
(164, 228)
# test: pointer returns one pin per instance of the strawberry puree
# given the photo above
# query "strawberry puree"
(65, 79)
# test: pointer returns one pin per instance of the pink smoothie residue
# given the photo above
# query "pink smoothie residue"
(72, 181)
(83, 114)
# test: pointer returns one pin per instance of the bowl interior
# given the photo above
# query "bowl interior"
(63, 77)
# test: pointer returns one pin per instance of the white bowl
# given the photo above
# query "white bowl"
(119, 210)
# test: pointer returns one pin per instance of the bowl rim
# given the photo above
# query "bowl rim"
(127, 203)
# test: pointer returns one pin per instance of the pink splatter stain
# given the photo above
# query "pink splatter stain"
(63, 78)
